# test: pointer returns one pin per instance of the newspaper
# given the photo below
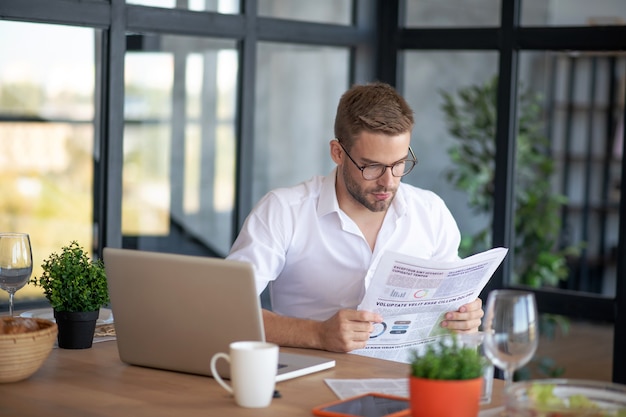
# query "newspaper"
(413, 295)
(346, 388)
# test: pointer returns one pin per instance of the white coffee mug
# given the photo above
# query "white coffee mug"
(253, 367)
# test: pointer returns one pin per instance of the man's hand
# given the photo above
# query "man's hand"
(347, 330)
(466, 319)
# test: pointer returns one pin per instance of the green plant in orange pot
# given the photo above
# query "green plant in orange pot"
(446, 379)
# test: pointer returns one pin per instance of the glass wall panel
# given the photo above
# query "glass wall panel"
(452, 13)
(321, 11)
(46, 138)
(298, 88)
(573, 12)
(220, 6)
(581, 97)
(179, 143)
(428, 77)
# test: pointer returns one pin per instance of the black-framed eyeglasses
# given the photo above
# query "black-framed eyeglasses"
(375, 171)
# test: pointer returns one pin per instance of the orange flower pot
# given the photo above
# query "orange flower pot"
(444, 398)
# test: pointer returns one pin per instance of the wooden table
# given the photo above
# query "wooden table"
(94, 382)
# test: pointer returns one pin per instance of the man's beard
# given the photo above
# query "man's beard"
(360, 195)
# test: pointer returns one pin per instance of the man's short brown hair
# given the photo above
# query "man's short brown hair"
(375, 107)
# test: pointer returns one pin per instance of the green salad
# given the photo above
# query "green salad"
(548, 404)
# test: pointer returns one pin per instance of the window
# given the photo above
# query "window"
(322, 11)
(452, 13)
(220, 6)
(428, 75)
(47, 137)
(179, 143)
(573, 13)
(581, 97)
(292, 131)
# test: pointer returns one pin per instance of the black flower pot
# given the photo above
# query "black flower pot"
(76, 329)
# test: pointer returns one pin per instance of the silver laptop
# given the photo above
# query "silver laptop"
(174, 312)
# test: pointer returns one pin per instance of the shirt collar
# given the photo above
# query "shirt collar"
(328, 196)
(399, 204)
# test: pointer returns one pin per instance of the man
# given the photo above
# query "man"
(317, 244)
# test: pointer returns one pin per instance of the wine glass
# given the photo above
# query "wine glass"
(16, 263)
(511, 330)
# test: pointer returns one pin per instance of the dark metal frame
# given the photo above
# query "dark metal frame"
(375, 40)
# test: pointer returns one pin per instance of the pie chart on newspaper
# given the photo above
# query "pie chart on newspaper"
(379, 329)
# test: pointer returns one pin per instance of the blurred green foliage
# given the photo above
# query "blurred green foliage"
(471, 118)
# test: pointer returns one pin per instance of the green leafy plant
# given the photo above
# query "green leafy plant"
(72, 282)
(471, 117)
(448, 360)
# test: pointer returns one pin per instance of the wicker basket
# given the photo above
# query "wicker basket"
(21, 354)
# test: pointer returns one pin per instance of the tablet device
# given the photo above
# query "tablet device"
(366, 405)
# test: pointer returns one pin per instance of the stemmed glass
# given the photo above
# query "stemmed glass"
(16, 263)
(511, 330)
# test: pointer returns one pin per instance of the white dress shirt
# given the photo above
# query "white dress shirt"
(315, 258)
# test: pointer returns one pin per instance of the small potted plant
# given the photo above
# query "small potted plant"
(446, 379)
(76, 288)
